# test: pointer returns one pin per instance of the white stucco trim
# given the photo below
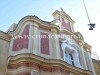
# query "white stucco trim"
(35, 40)
(83, 59)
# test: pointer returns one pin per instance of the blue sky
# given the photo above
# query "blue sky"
(14, 10)
(11, 11)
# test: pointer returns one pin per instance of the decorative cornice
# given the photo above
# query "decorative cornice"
(5, 36)
(87, 46)
(79, 36)
(42, 61)
(33, 19)
(65, 30)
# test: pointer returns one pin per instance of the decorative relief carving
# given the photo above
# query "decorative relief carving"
(70, 47)
(79, 35)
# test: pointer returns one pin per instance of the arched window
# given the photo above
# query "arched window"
(69, 58)
(70, 52)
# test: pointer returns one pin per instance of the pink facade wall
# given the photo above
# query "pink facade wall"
(45, 44)
(66, 25)
(21, 42)
(39, 68)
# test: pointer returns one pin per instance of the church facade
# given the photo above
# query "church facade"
(37, 47)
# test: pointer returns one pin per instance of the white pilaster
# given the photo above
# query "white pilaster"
(35, 39)
(82, 55)
(55, 44)
(90, 63)
(30, 39)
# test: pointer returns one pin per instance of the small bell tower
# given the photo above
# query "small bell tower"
(63, 20)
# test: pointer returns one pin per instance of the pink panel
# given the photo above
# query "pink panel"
(45, 44)
(61, 51)
(45, 69)
(56, 69)
(21, 42)
(66, 25)
(67, 73)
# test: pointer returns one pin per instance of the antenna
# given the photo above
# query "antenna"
(92, 25)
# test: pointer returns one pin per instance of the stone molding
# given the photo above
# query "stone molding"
(5, 36)
(31, 58)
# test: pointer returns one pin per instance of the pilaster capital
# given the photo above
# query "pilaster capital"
(80, 43)
(53, 30)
